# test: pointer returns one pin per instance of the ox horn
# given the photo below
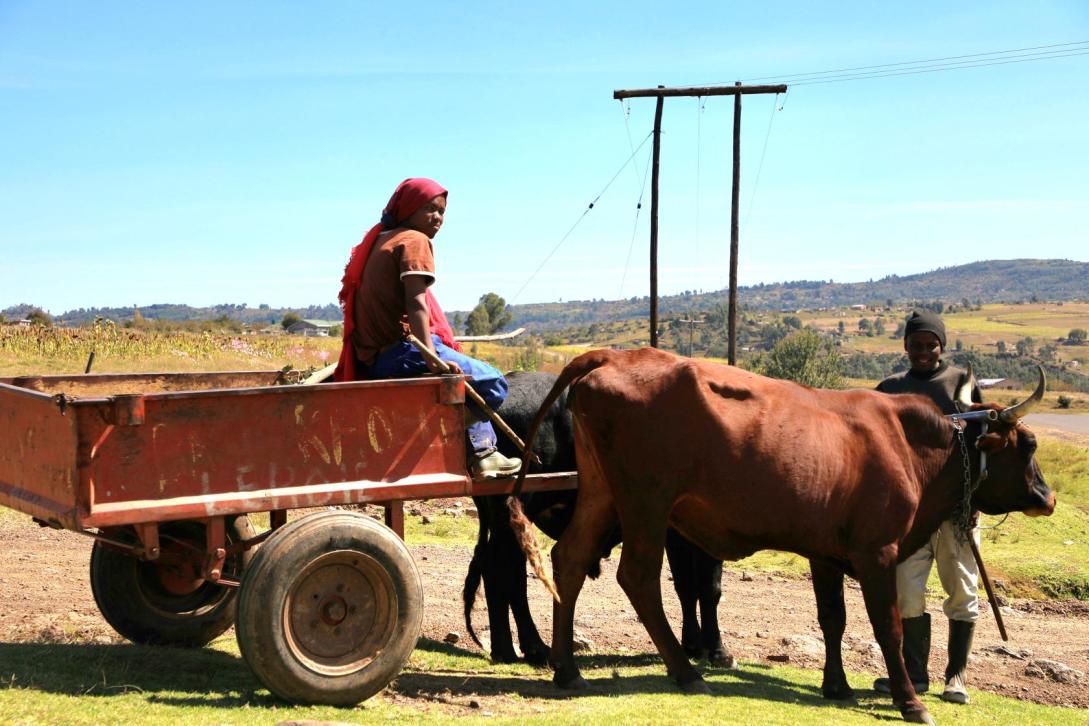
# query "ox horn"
(964, 391)
(1011, 414)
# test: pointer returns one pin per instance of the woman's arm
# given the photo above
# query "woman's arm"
(419, 321)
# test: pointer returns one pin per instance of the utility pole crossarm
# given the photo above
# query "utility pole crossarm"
(697, 91)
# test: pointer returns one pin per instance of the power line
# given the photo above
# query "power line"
(917, 62)
(930, 65)
(933, 70)
(581, 217)
(634, 228)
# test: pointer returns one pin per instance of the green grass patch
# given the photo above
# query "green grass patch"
(1047, 556)
(444, 529)
(92, 684)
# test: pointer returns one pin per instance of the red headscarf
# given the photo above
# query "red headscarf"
(410, 195)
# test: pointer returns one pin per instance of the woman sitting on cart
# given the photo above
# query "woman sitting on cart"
(386, 290)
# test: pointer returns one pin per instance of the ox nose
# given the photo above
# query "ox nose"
(1046, 509)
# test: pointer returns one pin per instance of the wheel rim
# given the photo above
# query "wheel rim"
(172, 585)
(340, 613)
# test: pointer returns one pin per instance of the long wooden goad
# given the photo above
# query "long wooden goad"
(990, 590)
(492, 415)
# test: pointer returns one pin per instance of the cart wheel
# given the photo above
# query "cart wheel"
(157, 604)
(330, 609)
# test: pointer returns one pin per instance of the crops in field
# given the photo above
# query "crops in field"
(38, 349)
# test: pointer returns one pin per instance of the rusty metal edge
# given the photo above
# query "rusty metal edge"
(424, 486)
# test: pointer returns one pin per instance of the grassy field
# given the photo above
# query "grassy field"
(47, 683)
(33, 350)
(980, 329)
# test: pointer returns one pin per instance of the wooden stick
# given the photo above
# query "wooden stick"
(482, 338)
(735, 90)
(492, 415)
(321, 375)
(988, 588)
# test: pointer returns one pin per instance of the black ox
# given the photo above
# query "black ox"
(500, 563)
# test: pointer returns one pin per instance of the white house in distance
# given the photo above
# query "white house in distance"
(1002, 384)
(312, 328)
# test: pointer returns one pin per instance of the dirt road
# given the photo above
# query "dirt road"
(45, 597)
(1071, 423)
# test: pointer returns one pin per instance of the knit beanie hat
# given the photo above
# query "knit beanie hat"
(924, 321)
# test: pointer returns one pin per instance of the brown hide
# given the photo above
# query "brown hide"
(738, 462)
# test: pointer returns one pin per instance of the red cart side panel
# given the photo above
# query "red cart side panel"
(37, 456)
(179, 455)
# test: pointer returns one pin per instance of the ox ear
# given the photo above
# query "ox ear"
(964, 391)
(1011, 414)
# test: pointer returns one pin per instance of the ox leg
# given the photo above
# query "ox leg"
(682, 565)
(709, 581)
(529, 639)
(574, 556)
(832, 616)
(878, 580)
(639, 573)
(496, 569)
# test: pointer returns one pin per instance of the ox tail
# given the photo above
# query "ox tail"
(472, 580)
(519, 522)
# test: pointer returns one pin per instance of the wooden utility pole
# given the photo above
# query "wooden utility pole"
(654, 223)
(731, 344)
(660, 93)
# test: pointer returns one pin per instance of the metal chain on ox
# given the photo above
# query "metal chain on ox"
(963, 516)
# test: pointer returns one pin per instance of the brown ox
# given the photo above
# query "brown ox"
(854, 480)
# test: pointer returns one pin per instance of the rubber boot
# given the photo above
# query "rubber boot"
(960, 645)
(916, 651)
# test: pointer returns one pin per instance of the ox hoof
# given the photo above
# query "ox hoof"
(504, 658)
(722, 659)
(696, 688)
(838, 692)
(920, 716)
(536, 657)
(570, 683)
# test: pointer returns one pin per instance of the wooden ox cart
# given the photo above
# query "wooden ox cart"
(163, 471)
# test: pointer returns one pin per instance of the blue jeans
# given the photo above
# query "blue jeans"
(403, 360)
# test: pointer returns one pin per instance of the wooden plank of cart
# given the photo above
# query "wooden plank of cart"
(163, 469)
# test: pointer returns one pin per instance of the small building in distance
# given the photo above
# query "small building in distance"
(1001, 384)
(312, 328)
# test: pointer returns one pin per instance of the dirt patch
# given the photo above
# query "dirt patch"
(45, 597)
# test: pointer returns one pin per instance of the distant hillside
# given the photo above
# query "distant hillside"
(263, 315)
(988, 282)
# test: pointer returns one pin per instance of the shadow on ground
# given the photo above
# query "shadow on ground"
(206, 677)
(751, 680)
(162, 674)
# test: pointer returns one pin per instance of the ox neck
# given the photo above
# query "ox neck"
(945, 495)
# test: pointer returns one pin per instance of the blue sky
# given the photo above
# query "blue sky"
(234, 152)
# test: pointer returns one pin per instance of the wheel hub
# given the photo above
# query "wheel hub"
(340, 612)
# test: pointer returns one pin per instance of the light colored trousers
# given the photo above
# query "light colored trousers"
(956, 570)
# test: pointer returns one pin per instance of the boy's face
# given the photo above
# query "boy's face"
(924, 350)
